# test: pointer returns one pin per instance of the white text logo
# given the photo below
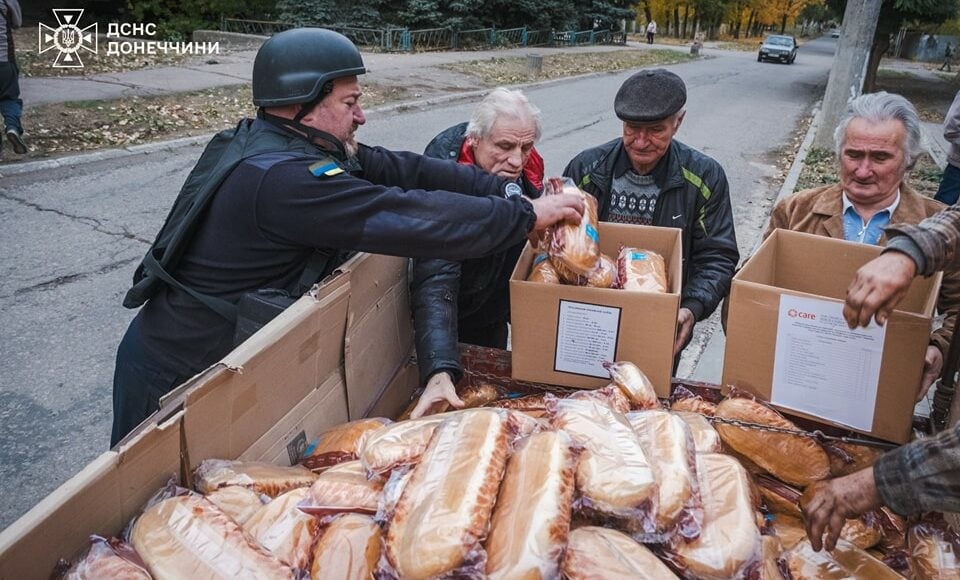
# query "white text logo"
(68, 38)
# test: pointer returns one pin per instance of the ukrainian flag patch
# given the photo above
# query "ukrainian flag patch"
(325, 167)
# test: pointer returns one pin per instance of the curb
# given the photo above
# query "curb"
(74, 160)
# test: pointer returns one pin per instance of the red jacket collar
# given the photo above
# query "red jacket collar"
(533, 170)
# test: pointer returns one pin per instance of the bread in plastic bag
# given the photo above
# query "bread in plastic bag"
(238, 502)
(444, 510)
(340, 443)
(348, 548)
(770, 562)
(343, 488)
(729, 545)
(934, 551)
(789, 529)
(610, 395)
(108, 558)
(641, 271)
(265, 478)
(615, 480)
(285, 530)
(794, 459)
(529, 527)
(846, 561)
(682, 399)
(634, 384)
(668, 443)
(543, 271)
(574, 248)
(846, 458)
(186, 536)
(397, 444)
(595, 553)
(705, 437)
(604, 275)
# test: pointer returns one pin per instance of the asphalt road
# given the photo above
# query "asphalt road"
(71, 238)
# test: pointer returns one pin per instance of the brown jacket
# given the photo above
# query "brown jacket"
(820, 211)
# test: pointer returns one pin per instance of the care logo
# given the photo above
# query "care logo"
(68, 38)
(794, 313)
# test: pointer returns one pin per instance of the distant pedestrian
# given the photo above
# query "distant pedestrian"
(947, 57)
(949, 191)
(11, 107)
(651, 31)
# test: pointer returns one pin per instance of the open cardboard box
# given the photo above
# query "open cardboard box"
(599, 323)
(796, 264)
(335, 355)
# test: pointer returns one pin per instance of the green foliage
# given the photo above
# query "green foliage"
(356, 13)
(177, 19)
(603, 14)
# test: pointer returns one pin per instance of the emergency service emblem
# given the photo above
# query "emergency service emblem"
(68, 38)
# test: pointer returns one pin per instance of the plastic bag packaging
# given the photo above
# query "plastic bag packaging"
(543, 271)
(789, 529)
(574, 248)
(397, 444)
(186, 536)
(595, 553)
(340, 443)
(615, 480)
(348, 548)
(770, 562)
(604, 275)
(529, 527)
(683, 400)
(445, 507)
(240, 503)
(864, 532)
(846, 561)
(705, 437)
(668, 443)
(778, 497)
(934, 551)
(343, 488)
(108, 558)
(729, 545)
(846, 458)
(265, 478)
(478, 395)
(641, 271)
(634, 384)
(794, 459)
(610, 395)
(285, 530)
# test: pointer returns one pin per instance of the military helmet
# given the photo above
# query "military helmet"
(293, 66)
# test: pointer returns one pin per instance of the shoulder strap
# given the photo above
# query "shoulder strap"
(225, 309)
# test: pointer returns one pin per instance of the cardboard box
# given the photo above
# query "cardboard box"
(634, 326)
(795, 264)
(264, 401)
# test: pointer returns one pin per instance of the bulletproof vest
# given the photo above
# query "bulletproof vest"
(221, 156)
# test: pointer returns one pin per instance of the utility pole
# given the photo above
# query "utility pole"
(849, 65)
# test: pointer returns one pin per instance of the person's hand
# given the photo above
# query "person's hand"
(932, 366)
(437, 397)
(877, 288)
(685, 322)
(828, 504)
(559, 207)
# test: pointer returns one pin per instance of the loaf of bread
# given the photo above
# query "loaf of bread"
(604, 275)
(610, 395)
(444, 511)
(543, 271)
(189, 537)
(668, 444)
(281, 527)
(845, 561)
(575, 248)
(265, 478)
(641, 271)
(705, 437)
(634, 384)
(340, 443)
(237, 502)
(108, 559)
(595, 553)
(729, 544)
(343, 488)
(397, 444)
(615, 479)
(934, 551)
(794, 459)
(348, 548)
(529, 528)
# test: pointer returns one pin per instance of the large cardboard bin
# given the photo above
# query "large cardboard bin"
(791, 264)
(561, 334)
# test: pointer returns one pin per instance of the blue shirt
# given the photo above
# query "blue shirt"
(854, 228)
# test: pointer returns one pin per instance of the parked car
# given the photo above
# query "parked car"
(834, 32)
(778, 47)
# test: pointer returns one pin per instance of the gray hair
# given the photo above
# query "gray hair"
(502, 102)
(880, 107)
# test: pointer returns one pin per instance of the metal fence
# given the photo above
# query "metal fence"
(404, 39)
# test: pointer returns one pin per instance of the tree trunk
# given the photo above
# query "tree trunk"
(686, 18)
(783, 24)
(752, 15)
(646, 11)
(736, 27)
(676, 21)
(881, 43)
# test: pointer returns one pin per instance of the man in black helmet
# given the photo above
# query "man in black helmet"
(277, 202)
(647, 177)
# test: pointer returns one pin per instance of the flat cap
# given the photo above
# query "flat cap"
(650, 95)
